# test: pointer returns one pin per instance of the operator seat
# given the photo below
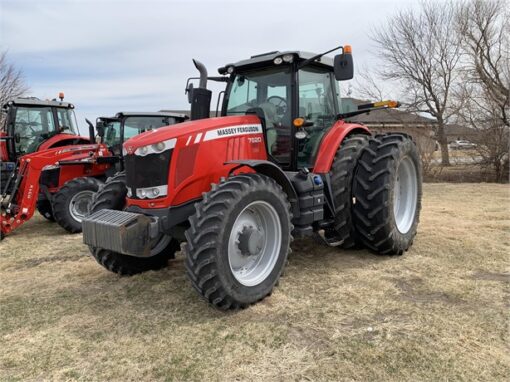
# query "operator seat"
(271, 123)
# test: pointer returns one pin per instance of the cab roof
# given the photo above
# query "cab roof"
(148, 114)
(34, 101)
(265, 59)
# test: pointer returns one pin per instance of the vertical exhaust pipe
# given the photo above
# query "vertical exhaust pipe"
(200, 98)
(203, 73)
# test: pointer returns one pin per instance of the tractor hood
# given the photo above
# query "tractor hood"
(194, 132)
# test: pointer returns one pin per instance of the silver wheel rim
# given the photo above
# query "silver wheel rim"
(405, 195)
(79, 206)
(254, 243)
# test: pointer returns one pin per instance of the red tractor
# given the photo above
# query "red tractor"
(61, 181)
(30, 125)
(282, 160)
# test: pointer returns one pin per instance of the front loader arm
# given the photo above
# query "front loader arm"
(20, 205)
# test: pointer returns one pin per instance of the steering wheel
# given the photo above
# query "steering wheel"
(280, 103)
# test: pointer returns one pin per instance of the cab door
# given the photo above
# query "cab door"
(318, 96)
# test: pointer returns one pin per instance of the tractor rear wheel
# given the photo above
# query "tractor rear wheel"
(45, 209)
(72, 202)
(112, 195)
(342, 174)
(238, 241)
(387, 189)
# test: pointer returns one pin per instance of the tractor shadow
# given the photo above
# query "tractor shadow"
(169, 292)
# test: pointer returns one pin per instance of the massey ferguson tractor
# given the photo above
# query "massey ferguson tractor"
(281, 161)
(32, 124)
(61, 181)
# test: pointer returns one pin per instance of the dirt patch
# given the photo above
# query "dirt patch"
(414, 290)
(490, 276)
(29, 263)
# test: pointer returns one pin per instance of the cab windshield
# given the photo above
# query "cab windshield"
(133, 126)
(34, 125)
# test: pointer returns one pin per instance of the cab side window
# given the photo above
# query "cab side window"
(112, 134)
(317, 97)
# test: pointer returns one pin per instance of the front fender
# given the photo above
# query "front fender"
(273, 171)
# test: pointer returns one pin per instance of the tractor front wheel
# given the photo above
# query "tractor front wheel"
(112, 195)
(387, 190)
(45, 209)
(72, 202)
(238, 241)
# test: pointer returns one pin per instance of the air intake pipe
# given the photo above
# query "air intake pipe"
(200, 98)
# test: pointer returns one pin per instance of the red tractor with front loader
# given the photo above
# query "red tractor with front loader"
(60, 179)
(281, 161)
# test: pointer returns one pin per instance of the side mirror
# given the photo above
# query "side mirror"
(343, 67)
(189, 91)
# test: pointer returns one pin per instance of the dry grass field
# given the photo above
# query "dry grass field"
(440, 312)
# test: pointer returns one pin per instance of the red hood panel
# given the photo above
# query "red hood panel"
(190, 128)
(58, 138)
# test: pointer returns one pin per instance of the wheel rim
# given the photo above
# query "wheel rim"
(79, 206)
(405, 195)
(254, 243)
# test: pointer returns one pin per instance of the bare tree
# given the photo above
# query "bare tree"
(421, 51)
(484, 27)
(11, 80)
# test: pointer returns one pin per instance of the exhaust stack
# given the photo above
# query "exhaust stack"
(200, 98)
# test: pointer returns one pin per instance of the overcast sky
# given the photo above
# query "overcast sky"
(109, 56)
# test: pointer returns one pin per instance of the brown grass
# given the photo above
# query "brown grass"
(438, 313)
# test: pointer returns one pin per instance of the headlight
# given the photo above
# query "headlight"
(278, 60)
(288, 58)
(50, 167)
(151, 192)
(156, 148)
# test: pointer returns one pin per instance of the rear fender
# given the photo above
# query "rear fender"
(332, 141)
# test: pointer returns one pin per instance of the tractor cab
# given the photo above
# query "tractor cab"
(299, 101)
(295, 93)
(30, 123)
(113, 131)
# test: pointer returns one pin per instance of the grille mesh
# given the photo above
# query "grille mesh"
(147, 171)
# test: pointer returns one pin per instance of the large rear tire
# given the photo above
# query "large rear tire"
(72, 202)
(238, 241)
(112, 195)
(341, 175)
(387, 189)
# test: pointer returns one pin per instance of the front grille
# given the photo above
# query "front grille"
(147, 171)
